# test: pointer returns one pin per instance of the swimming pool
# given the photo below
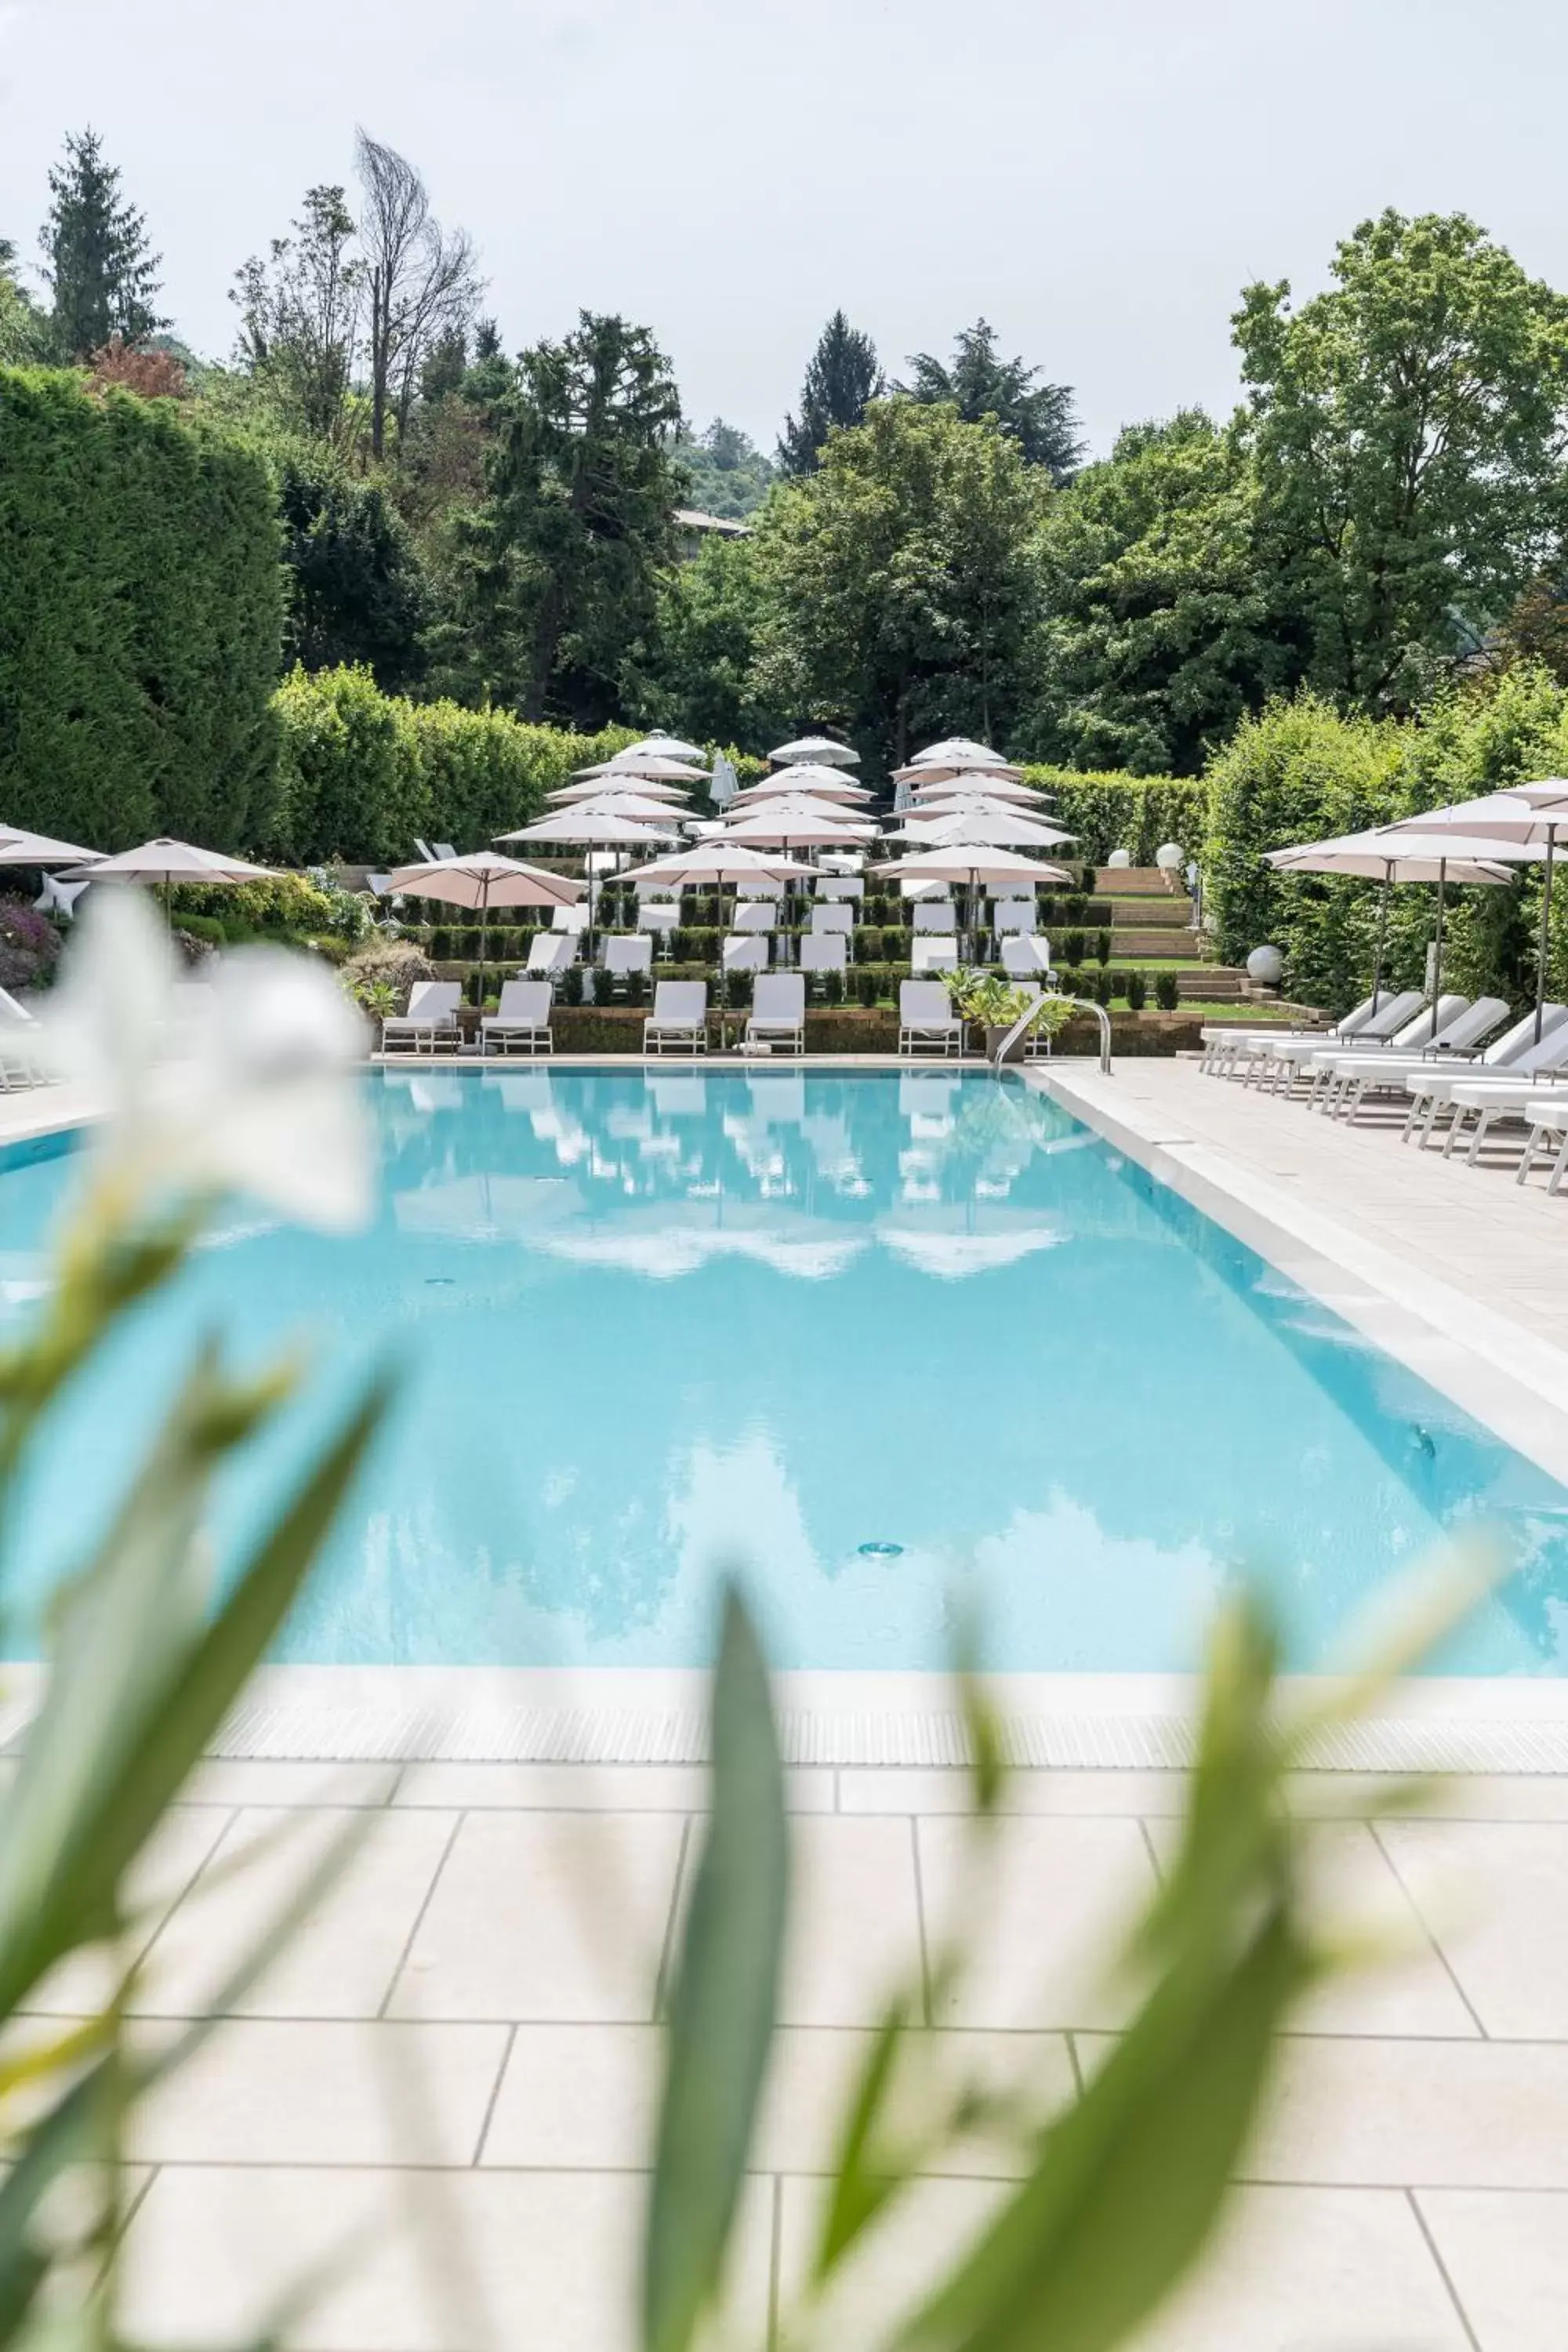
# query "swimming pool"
(900, 1346)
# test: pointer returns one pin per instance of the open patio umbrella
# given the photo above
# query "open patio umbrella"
(808, 775)
(820, 748)
(590, 829)
(962, 748)
(796, 824)
(1525, 821)
(1384, 855)
(629, 801)
(594, 788)
(19, 847)
(483, 881)
(719, 860)
(167, 862)
(969, 865)
(958, 793)
(999, 829)
(653, 767)
(849, 798)
(661, 745)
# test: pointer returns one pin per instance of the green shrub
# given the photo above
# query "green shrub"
(681, 947)
(1136, 989)
(140, 619)
(441, 944)
(1071, 980)
(868, 986)
(737, 988)
(1047, 907)
(636, 988)
(833, 987)
(1104, 988)
(1075, 905)
(1073, 946)
(1112, 810)
(570, 984)
(1102, 947)
(1167, 994)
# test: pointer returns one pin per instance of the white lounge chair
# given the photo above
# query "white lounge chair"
(1224, 1042)
(823, 951)
(1546, 1116)
(1517, 1053)
(1408, 1044)
(741, 953)
(1012, 918)
(624, 951)
(778, 1011)
(550, 952)
(1355, 1075)
(756, 914)
(520, 1019)
(926, 1018)
(570, 919)
(1277, 1061)
(430, 1021)
(1028, 958)
(680, 1017)
(444, 849)
(20, 1063)
(834, 890)
(936, 917)
(933, 955)
(1503, 1099)
(656, 918)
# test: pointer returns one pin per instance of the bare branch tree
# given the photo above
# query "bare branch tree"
(422, 281)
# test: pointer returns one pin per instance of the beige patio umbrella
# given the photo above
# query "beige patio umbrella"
(661, 745)
(640, 807)
(19, 847)
(1385, 854)
(989, 828)
(653, 767)
(1522, 818)
(796, 824)
(167, 862)
(969, 864)
(719, 860)
(988, 786)
(481, 882)
(827, 783)
(821, 749)
(594, 828)
(594, 788)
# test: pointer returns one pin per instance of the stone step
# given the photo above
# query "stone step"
(1139, 881)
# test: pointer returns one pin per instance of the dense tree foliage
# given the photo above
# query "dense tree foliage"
(841, 376)
(979, 382)
(357, 593)
(728, 473)
(701, 679)
(301, 309)
(100, 270)
(1408, 429)
(141, 614)
(1164, 621)
(26, 340)
(899, 580)
(555, 593)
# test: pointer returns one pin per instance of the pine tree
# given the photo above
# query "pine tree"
(842, 377)
(980, 382)
(98, 263)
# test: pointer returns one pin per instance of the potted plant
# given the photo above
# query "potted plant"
(994, 1003)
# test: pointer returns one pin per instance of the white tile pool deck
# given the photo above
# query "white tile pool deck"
(447, 2082)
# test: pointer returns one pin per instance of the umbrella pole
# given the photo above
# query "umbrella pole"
(484, 954)
(1438, 958)
(1545, 929)
(1382, 936)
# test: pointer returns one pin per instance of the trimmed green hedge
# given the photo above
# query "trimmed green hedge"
(140, 619)
(1113, 810)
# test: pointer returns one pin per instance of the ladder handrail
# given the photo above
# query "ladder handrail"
(1027, 1018)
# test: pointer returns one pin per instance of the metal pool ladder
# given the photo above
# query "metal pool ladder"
(1026, 1020)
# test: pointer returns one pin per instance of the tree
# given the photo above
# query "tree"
(26, 340)
(553, 585)
(357, 593)
(421, 281)
(97, 262)
(1163, 621)
(900, 581)
(301, 311)
(1408, 427)
(727, 473)
(841, 376)
(978, 383)
(153, 374)
(701, 680)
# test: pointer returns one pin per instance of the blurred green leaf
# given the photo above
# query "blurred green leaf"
(137, 1692)
(866, 2173)
(722, 2002)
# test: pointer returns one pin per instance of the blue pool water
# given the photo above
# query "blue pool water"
(901, 1346)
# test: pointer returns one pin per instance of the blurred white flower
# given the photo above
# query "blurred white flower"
(240, 1083)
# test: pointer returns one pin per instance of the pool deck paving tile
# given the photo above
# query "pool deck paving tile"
(450, 2095)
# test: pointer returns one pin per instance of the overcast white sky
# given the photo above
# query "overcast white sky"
(1097, 178)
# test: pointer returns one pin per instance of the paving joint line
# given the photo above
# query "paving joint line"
(402, 1961)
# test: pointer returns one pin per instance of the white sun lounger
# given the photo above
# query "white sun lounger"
(823, 951)
(1517, 1053)
(1488, 1101)
(521, 1018)
(625, 952)
(1012, 918)
(1546, 1116)
(828, 918)
(1415, 1031)
(926, 1018)
(1028, 958)
(20, 1064)
(937, 915)
(680, 1017)
(739, 952)
(431, 1019)
(550, 952)
(756, 914)
(1226, 1044)
(933, 955)
(778, 1011)
(1355, 1075)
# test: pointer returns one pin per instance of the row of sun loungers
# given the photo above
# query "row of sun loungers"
(677, 1023)
(1457, 1070)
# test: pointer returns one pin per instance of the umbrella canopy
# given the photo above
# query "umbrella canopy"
(816, 747)
(662, 746)
(847, 797)
(20, 848)
(599, 787)
(797, 825)
(174, 861)
(992, 792)
(1002, 829)
(593, 828)
(1525, 821)
(640, 807)
(973, 863)
(810, 775)
(652, 767)
(716, 861)
(485, 880)
(964, 749)
(1389, 854)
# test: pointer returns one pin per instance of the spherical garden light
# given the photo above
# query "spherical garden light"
(1265, 967)
(1168, 857)
(1121, 859)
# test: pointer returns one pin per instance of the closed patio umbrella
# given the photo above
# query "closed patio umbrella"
(481, 882)
(1524, 820)
(1385, 854)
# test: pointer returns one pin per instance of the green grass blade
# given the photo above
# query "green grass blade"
(724, 1999)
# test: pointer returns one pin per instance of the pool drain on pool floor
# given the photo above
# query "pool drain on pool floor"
(879, 1551)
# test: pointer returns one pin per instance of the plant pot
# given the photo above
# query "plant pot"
(993, 1045)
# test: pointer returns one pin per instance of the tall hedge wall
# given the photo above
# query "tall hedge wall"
(1111, 810)
(140, 618)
